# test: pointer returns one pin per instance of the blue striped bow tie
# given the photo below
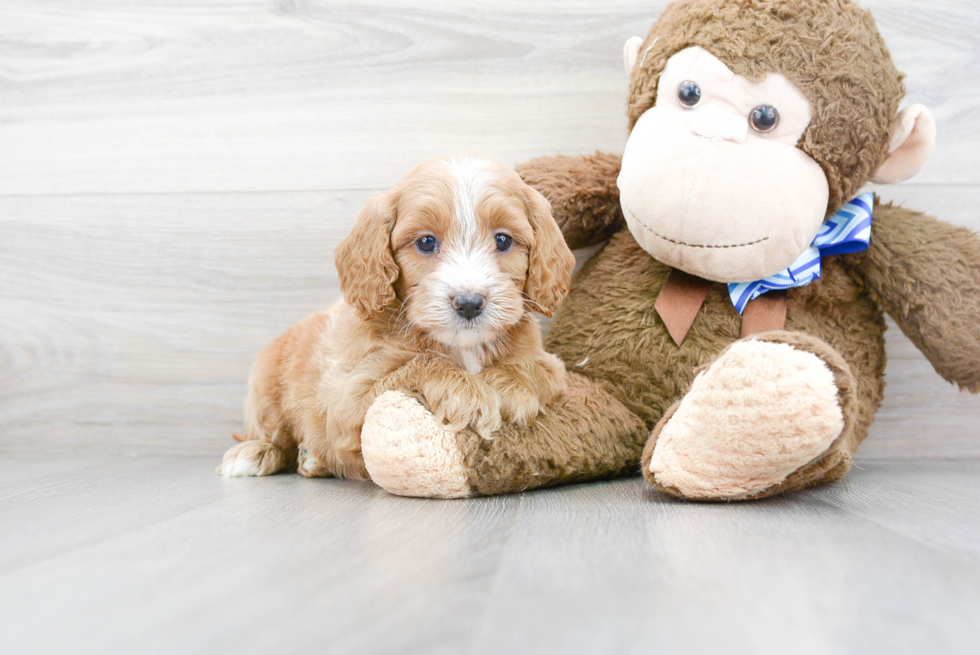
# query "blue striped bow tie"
(849, 230)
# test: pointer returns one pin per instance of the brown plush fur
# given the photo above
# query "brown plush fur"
(924, 273)
(592, 213)
(632, 352)
(584, 435)
(831, 50)
(310, 388)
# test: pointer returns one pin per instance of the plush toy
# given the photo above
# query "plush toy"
(728, 338)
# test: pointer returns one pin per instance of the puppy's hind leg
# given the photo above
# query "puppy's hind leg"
(267, 446)
(252, 458)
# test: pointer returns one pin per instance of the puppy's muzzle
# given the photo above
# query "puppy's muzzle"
(469, 305)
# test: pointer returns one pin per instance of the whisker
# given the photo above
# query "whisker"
(528, 300)
(397, 317)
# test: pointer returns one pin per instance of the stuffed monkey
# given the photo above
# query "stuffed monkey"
(728, 339)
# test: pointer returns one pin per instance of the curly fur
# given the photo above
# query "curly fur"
(311, 388)
(365, 264)
(549, 264)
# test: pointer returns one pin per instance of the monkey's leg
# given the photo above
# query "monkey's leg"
(585, 434)
(773, 413)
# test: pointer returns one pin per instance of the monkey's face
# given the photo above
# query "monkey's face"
(713, 182)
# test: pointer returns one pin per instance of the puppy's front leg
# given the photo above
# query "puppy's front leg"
(456, 398)
(525, 387)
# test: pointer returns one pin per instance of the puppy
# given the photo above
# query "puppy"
(439, 276)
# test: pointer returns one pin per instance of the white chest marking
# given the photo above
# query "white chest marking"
(471, 361)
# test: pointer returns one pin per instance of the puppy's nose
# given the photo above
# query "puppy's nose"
(469, 305)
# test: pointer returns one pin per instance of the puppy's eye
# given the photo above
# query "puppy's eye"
(689, 94)
(764, 118)
(504, 242)
(426, 244)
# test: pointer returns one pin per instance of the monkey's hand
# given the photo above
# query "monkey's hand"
(583, 195)
(925, 274)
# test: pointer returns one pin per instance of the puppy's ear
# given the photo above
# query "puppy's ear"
(365, 263)
(550, 262)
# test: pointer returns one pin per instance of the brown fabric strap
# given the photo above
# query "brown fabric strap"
(679, 301)
(764, 314)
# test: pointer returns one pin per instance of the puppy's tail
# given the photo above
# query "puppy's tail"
(239, 437)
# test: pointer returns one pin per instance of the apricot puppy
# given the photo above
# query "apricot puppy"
(440, 276)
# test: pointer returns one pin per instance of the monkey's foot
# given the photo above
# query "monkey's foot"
(763, 411)
(409, 453)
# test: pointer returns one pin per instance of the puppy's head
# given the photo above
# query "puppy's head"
(465, 244)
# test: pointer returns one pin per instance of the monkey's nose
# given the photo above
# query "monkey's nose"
(719, 125)
(469, 305)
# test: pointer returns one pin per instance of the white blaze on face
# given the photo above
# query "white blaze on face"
(472, 183)
(468, 264)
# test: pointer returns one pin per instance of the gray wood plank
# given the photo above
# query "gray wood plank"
(116, 97)
(283, 564)
(888, 561)
(130, 322)
(114, 308)
(825, 571)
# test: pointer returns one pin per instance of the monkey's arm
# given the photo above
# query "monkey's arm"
(926, 274)
(583, 194)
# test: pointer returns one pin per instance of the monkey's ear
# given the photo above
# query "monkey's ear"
(913, 139)
(631, 51)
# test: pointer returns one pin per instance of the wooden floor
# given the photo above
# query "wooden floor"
(155, 554)
(174, 177)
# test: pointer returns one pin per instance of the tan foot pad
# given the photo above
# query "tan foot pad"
(408, 453)
(760, 412)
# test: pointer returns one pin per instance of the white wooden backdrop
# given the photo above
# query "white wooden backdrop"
(175, 175)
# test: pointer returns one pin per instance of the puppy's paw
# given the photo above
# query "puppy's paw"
(482, 413)
(526, 388)
(520, 406)
(251, 458)
(309, 466)
(467, 402)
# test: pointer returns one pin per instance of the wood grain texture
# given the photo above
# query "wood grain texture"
(174, 178)
(131, 321)
(157, 555)
(119, 97)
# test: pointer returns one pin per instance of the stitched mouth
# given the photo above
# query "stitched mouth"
(707, 245)
(689, 245)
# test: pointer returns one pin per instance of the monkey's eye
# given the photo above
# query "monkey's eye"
(689, 94)
(764, 118)
(504, 242)
(426, 244)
